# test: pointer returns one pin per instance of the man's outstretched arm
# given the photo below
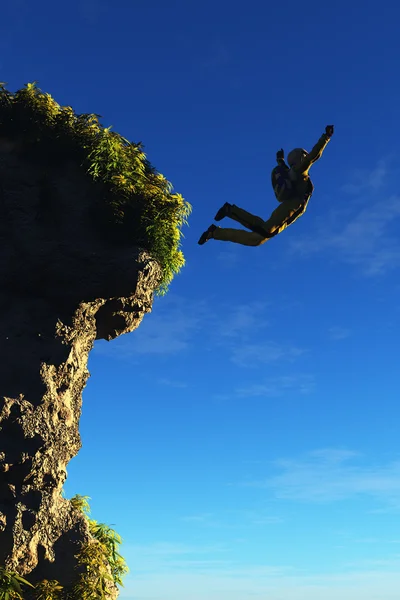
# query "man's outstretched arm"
(315, 153)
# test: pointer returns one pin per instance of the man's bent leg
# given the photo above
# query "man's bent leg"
(292, 218)
(238, 236)
(283, 216)
(245, 218)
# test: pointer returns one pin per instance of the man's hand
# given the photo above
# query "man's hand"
(280, 155)
(329, 130)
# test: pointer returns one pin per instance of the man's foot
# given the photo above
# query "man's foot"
(223, 212)
(207, 235)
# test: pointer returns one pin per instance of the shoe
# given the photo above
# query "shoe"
(207, 235)
(223, 212)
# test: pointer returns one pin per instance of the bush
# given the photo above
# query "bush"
(139, 201)
(48, 590)
(104, 551)
(11, 585)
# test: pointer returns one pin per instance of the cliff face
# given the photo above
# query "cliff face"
(63, 285)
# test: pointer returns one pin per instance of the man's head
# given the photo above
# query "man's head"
(296, 156)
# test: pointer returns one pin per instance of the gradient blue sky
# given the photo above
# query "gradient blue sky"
(245, 440)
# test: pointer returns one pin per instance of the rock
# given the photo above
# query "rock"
(64, 284)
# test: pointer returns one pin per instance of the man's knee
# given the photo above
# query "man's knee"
(261, 240)
(263, 232)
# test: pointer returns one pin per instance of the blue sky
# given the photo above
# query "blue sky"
(244, 441)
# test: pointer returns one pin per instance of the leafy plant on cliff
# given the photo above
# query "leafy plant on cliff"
(108, 540)
(94, 576)
(138, 201)
(81, 503)
(11, 585)
(48, 590)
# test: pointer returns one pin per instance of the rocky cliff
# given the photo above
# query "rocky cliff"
(64, 284)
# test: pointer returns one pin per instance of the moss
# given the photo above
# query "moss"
(138, 203)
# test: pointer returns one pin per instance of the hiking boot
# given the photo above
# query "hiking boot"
(224, 211)
(207, 235)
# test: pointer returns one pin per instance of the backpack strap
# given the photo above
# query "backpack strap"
(282, 185)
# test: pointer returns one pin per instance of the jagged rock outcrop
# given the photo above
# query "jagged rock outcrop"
(63, 285)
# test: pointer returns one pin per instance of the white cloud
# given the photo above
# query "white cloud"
(259, 517)
(237, 329)
(334, 455)
(175, 321)
(200, 518)
(169, 557)
(278, 386)
(243, 320)
(377, 581)
(362, 240)
(252, 355)
(329, 475)
(176, 571)
(164, 334)
(365, 232)
(173, 328)
(168, 549)
(173, 383)
(232, 519)
(368, 180)
(169, 329)
(339, 333)
(229, 258)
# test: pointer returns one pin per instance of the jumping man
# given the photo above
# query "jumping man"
(293, 189)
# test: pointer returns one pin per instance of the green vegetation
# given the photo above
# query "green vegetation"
(11, 585)
(110, 541)
(137, 202)
(48, 590)
(99, 566)
(92, 580)
(81, 503)
(98, 554)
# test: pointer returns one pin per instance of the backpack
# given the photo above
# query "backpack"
(282, 185)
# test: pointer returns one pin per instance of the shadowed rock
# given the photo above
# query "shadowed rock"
(64, 284)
